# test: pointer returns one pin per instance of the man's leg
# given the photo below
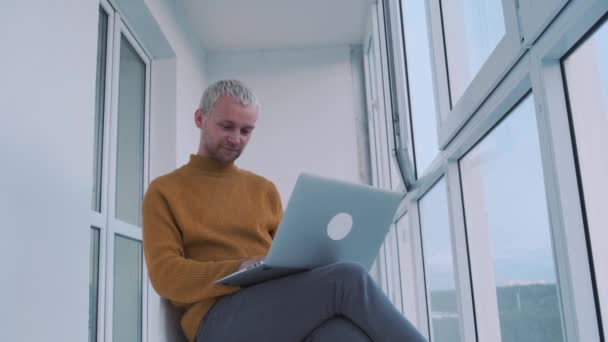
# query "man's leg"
(290, 308)
(337, 329)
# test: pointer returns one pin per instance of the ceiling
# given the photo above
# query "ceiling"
(229, 25)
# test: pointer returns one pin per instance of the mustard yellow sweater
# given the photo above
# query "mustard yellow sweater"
(199, 223)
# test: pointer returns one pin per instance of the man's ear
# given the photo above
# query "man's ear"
(199, 118)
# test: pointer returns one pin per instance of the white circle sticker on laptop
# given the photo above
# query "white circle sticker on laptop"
(339, 226)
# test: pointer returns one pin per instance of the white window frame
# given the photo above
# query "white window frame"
(528, 59)
(99, 220)
(578, 316)
(392, 256)
(370, 117)
(460, 251)
(115, 226)
(380, 103)
(441, 168)
(508, 51)
(108, 225)
(407, 268)
(535, 15)
(393, 181)
(420, 306)
(563, 192)
(379, 134)
(378, 268)
(390, 248)
(401, 145)
(485, 327)
(427, 296)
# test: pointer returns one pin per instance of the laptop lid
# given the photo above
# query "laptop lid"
(329, 220)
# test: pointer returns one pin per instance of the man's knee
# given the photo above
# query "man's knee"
(336, 330)
(348, 270)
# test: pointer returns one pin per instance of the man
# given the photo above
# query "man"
(209, 218)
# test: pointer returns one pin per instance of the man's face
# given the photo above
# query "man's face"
(226, 130)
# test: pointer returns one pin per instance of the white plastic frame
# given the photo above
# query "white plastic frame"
(581, 305)
(454, 113)
(117, 29)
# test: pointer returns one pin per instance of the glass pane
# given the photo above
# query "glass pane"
(381, 148)
(439, 264)
(473, 28)
(100, 91)
(508, 228)
(382, 275)
(406, 265)
(586, 72)
(392, 262)
(421, 92)
(93, 284)
(127, 308)
(379, 120)
(130, 152)
(374, 271)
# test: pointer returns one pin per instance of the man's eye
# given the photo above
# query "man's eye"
(246, 132)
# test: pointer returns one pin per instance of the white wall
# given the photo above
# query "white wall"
(46, 123)
(178, 76)
(190, 74)
(47, 104)
(309, 109)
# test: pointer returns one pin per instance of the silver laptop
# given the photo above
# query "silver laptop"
(325, 221)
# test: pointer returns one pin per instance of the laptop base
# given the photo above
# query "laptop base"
(257, 275)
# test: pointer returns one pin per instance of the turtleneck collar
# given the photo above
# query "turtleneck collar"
(210, 166)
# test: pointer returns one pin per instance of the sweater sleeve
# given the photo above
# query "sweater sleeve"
(276, 207)
(172, 275)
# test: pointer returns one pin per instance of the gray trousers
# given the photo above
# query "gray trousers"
(338, 302)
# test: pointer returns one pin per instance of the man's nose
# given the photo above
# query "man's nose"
(233, 138)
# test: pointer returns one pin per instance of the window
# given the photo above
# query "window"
(385, 170)
(586, 74)
(524, 256)
(403, 171)
(511, 254)
(117, 285)
(128, 175)
(406, 268)
(128, 265)
(130, 140)
(93, 284)
(421, 93)
(98, 222)
(377, 117)
(439, 269)
(473, 29)
(392, 260)
(380, 267)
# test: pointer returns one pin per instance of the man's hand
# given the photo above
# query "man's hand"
(250, 262)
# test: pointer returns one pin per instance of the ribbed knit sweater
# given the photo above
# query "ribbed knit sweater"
(199, 223)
